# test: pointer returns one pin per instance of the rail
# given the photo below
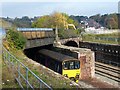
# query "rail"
(22, 73)
(107, 71)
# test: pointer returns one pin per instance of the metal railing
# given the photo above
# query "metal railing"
(23, 75)
(35, 29)
(107, 39)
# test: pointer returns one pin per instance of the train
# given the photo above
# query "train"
(66, 65)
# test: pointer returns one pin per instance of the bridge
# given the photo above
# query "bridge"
(37, 37)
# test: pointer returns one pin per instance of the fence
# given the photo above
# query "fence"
(108, 39)
(23, 75)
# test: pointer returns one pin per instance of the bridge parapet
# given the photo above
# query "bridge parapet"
(34, 33)
(38, 36)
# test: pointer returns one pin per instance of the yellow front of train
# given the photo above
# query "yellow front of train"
(71, 69)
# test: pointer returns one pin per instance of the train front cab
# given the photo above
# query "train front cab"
(71, 69)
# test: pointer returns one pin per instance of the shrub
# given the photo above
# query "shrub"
(16, 39)
(68, 33)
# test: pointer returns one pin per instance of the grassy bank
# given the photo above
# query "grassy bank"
(113, 38)
(8, 80)
(54, 80)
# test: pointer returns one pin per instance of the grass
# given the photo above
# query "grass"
(8, 80)
(91, 38)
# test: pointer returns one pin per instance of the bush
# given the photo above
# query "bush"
(68, 33)
(16, 39)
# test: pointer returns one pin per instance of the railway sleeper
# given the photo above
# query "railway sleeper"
(108, 72)
(108, 76)
(112, 78)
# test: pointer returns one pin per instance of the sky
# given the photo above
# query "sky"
(32, 8)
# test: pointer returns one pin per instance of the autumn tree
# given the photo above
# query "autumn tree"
(56, 19)
(61, 20)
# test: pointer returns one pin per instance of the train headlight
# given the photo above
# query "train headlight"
(65, 75)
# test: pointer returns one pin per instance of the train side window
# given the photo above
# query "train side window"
(65, 65)
(71, 65)
(77, 64)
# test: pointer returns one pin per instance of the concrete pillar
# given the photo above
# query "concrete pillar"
(56, 34)
(87, 65)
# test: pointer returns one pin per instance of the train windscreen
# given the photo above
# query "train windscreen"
(69, 65)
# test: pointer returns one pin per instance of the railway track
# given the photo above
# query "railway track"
(108, 71)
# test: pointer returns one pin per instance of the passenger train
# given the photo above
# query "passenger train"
(63, 64)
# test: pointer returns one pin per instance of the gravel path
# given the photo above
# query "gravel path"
(98, 83)
(107, 80)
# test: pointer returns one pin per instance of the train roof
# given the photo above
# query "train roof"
(55, 55)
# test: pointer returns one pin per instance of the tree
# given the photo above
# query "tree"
(96, 17)
(61, 20)
(41, 22)
(107, 20)
(112, 21)
(22, 22)
(56, 19)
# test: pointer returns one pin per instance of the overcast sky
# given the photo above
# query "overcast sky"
(72, 7)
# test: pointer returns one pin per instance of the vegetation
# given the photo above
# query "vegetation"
(55, 19)
(5, 24)
(59, 20)
(25, 21)
(15, 39)
(79, 18)
(8, 80)
(22, 22)
(108, 20)
(111, 21)
(113, 38)
(68, 33)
